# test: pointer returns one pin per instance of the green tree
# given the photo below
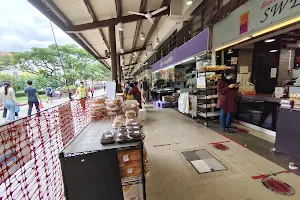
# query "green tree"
(62, 64)
(5, 62)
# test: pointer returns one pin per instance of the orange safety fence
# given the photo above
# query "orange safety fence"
(29, 152)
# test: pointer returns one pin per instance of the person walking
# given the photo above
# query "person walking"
(145, 90)
(9, 101)
(92, 90)
(1, 101)
(33, 98)
(82, 93)
(226, 100)
(48, 91)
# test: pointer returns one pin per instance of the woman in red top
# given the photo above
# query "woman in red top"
(226, 100)
(136, 93)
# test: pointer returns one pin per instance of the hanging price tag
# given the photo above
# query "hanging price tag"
(129, 171)
(125, 158)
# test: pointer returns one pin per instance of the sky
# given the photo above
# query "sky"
(22, 26)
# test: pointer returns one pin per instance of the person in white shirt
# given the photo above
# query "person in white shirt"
(192, 83)
(8, 99)
(1, 101)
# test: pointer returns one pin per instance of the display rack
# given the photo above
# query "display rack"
(93, 171)
(207, 95)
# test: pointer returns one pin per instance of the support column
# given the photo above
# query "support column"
(113, 53)
(119, 69)
(119, 87)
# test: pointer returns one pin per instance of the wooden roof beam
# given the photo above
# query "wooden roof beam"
(133, 50)
(112, 21)
(92, 13)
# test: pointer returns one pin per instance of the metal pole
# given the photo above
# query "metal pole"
(113, 53)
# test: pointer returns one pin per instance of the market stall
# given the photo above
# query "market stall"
(108, 159)
(264, 52)
(178, 69)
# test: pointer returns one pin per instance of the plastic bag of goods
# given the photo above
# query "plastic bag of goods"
(99, 101)
(131, 105)
(108, 137)
(113, 107)
(129, 122)
(98, 111)
(98, 114)
(130, 114)
(118, 121)
(247, 89)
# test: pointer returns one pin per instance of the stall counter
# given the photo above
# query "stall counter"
(260, 110)
(288, 132)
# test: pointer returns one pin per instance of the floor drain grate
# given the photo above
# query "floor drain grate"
(203, 161)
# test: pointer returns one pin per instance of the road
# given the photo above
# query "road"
(55, 102)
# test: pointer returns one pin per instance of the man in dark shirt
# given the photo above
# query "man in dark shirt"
(33, 98)
(48, 91)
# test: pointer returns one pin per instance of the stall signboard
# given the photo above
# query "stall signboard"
(201, 81)
(194, 46)
(244, 23)
(251, 18)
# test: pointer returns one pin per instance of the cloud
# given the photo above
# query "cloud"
(22, 27)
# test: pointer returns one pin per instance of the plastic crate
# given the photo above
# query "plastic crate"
(162, 104)
(175, 103)
(154, 102)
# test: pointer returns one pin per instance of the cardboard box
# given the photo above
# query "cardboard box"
(166, 99)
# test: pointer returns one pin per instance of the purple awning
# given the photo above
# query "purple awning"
(194, 46)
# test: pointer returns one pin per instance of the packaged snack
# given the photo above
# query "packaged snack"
(119, 120)
(131, 105)
(130, 114)
(108, 137)
(122, 129)
(99, 101)
(131, 121)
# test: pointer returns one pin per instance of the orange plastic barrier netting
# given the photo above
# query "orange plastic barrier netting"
(29, 152)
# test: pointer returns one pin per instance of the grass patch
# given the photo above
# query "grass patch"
(24, 99)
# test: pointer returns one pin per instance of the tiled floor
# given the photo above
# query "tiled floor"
(173, 178)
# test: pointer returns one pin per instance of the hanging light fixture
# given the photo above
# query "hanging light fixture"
(188, 2)
(142, 36)
(120, 26)
(157, 41)
(106, 52)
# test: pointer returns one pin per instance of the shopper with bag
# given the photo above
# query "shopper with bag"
(136, 93)
(82, 93)
(33, 98)
(227, 91)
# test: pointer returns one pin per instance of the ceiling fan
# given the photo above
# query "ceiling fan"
(149, 15)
